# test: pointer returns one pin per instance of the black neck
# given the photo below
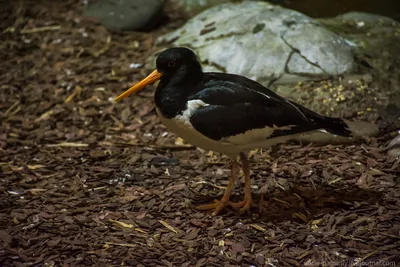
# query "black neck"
(172, 92)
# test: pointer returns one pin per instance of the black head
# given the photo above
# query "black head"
(177, 60)
(177, 67)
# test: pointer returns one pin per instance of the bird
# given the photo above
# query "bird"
(226, 113)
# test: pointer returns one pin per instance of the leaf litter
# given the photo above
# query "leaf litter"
(86, 182)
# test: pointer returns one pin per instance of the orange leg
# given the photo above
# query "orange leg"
(245, 204)
(220, 204)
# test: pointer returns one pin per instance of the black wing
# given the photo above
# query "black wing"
(234, 108)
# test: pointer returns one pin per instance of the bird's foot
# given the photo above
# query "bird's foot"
(217, 206)
(243, 205)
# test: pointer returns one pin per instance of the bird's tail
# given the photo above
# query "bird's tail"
(335, 126)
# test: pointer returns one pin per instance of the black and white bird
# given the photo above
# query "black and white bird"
(226, 113)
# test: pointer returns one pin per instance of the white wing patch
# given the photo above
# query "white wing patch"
(255, 135)
(191, 107)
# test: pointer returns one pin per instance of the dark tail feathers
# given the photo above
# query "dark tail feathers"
(335, 126)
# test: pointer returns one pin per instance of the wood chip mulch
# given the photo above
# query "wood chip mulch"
(87, 182)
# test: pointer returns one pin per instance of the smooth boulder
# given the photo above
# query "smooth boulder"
(132, 15)
(264, 42)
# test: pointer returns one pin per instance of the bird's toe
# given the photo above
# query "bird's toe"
(242, 205)
(216, 207)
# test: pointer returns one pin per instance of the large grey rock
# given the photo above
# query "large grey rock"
(363, 19)
(125, 14)
(193, 7)
(263, 42)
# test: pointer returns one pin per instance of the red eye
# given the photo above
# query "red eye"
(171, 63)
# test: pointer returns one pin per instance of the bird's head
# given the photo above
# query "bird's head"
(176, 61)
(171, 61)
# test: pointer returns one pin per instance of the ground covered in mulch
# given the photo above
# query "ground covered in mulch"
(87, 182)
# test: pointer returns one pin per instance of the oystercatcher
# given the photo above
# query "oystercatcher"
(226, 113)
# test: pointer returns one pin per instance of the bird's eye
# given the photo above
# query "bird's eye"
(171, 63)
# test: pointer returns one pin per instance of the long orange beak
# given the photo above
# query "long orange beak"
(153, 77)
